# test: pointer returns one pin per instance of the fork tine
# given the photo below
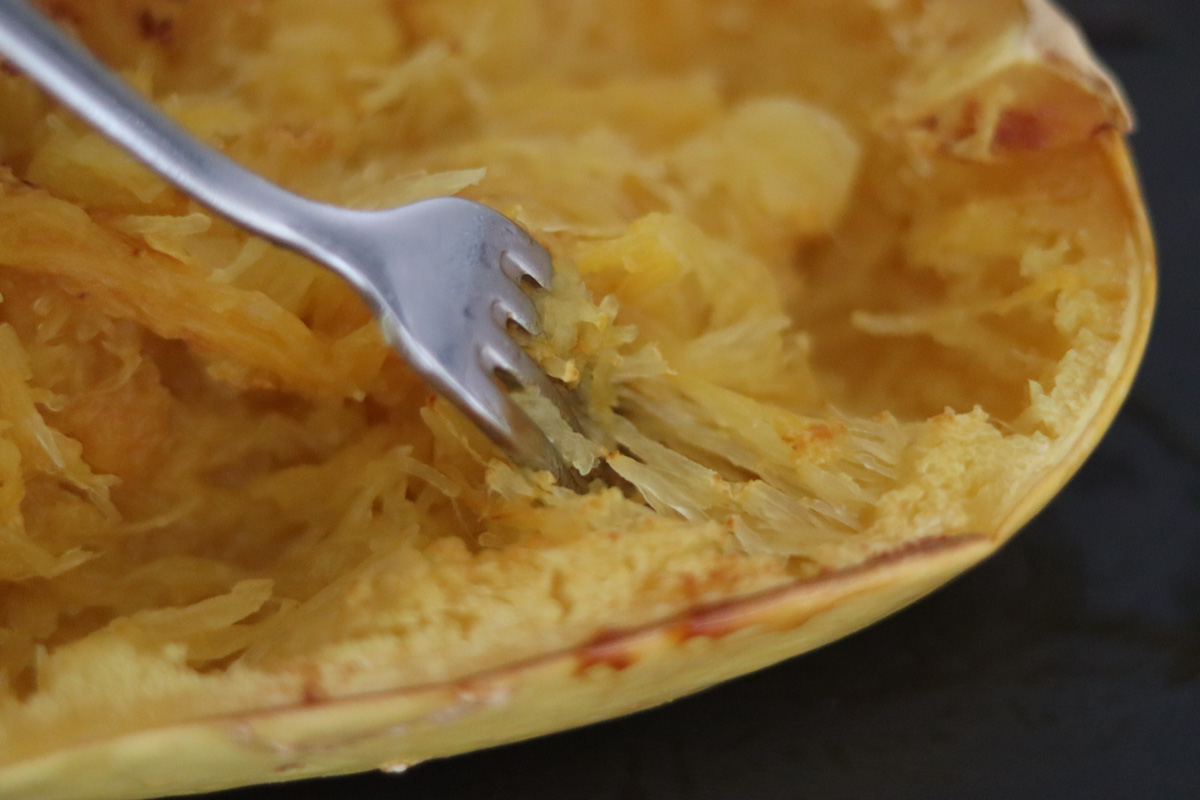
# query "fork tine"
(492, 408)
(508, 425)
(527, 259)
(506, 356)
(512, 303)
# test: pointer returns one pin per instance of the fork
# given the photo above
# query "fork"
(442, 276)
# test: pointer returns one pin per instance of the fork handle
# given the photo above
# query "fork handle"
(38, 48)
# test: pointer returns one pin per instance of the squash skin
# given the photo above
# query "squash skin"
(613, 676)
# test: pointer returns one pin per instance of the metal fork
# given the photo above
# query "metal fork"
(442, 276)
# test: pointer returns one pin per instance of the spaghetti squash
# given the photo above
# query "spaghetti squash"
(845, 292)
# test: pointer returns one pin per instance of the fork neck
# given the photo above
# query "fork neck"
(76, 78)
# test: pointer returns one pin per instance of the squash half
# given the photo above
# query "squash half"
(846, 293)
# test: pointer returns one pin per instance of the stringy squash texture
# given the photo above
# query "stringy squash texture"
(833, 278)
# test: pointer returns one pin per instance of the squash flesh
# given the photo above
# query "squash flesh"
(221, 492)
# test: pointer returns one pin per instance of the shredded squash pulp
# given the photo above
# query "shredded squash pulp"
(797, 338)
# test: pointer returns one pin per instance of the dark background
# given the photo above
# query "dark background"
(1066, 667)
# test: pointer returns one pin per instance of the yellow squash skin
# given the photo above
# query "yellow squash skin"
(395, 730)
(1003, 85)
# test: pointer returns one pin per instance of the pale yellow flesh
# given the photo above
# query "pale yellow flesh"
(846, 291)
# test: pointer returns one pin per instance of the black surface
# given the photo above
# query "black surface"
(1066, 667)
